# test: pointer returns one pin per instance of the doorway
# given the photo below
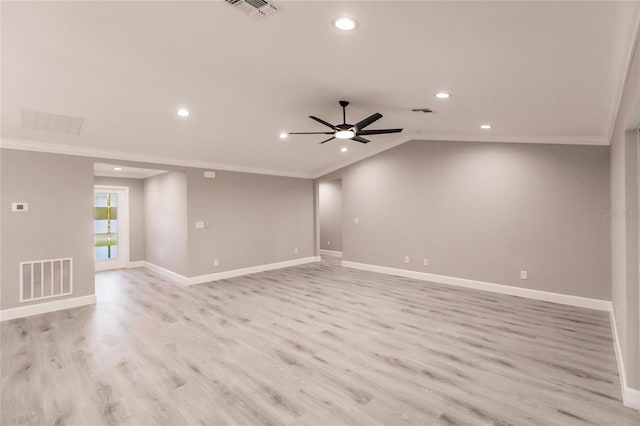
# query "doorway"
(110, 227)
(330, 209)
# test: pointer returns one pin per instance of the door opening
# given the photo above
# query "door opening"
(110, 227)
(330, 212)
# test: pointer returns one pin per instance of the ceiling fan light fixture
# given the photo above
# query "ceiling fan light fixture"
(345, 134)
(284, 135)
(442, 95)
(344, 149)
(485, 126)
(345, 24)
(183, 112)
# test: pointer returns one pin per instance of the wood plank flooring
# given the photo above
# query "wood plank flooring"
(313, 345)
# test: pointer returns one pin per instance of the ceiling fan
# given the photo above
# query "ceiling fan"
(349, 131)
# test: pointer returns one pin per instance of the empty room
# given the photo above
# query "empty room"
(320, 213)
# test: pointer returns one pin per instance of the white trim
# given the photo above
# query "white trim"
(200, 279)
(123, 229)
(630, 396)
(84, 151)
(331, 252)
(136, 264)
(181, 279)
(43, 308)
(408, 137)
(565, 299)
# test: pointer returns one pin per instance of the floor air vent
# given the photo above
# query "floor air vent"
(42, 279)
(255, 8)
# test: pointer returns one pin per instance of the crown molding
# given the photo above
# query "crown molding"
(54, 148)
(26, 145)
(566, 140)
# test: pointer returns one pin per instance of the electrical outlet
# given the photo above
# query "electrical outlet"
(524, 275)
(295, 250)
(356, 220)
(328, 243)
(215, 262)
(426, 262)
(406, 259)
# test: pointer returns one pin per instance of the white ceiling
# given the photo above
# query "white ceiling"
(547, 72)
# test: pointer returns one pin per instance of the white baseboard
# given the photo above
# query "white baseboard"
(181, 279)
(200, 279)
(630, 396)
(136, 264)
(43, 308)
(331, 253)
(565, 299)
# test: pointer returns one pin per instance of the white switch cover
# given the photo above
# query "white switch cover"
(215, 262)
(356, 220)
(295, 250)
(19, 207)
(406, 259)
(201, 224)
(426, 262)
(523, 275)
(328, 243)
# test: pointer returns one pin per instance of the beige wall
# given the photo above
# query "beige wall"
(165, 214)
(136, 212)
(330, 204)
(624, 227)
(59, 223)
(484, 211)
(253, 220)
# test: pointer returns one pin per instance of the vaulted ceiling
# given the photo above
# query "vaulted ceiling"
(538, 72)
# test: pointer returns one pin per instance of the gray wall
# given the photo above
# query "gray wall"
(484, 211)
(331, 215)
(165, 215)
(59, 223)
(136, 212)
(624, 227)
(253, 220)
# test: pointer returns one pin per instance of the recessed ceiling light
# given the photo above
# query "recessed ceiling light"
(183, 112)
(345, 134)
(117, 169)
(344, 149)
(443, 95)
(345, 24)
(485, 126)
(284, 135)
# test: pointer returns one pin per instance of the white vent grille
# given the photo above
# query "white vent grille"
(42, 279)
(47, 122)
(255, 8)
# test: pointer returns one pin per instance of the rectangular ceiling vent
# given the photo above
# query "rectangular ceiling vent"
(255, 8)
(47, 122)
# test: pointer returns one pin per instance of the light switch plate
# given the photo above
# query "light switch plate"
(201, 224)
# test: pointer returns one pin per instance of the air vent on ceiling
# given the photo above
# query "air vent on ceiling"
(46, 122)
(254, 8)
(425, 110)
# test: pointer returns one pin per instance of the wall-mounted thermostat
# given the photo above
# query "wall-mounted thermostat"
(19, 207)
(210, 174)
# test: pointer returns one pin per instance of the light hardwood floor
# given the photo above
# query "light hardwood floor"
(309, 345)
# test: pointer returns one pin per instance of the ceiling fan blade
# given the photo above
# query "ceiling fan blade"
(330, 139)
(379, 131)
(367, 121)
(320, 120)
(359, 139)
(310, 133)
